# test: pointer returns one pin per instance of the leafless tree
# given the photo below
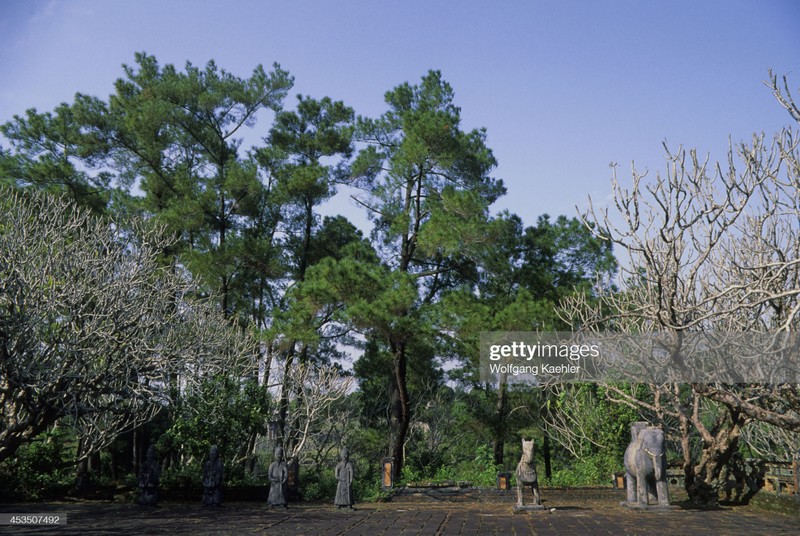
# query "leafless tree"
(574, 423)
(317, 389)
(770, 442)
(94, 328)
(710, 248)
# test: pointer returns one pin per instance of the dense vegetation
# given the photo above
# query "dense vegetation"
(227, 301)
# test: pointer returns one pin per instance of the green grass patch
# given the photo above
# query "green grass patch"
(772, 502)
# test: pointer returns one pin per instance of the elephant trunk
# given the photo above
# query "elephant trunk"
(658, 465)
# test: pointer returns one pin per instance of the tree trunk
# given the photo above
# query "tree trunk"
(686, 450)
(548, 470)
(400, 416)
(294, 437)
(283, 403)
(718, 448)
(82, 474)
(250, 466)
(499, 439)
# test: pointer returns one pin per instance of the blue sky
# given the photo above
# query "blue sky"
(563, 88)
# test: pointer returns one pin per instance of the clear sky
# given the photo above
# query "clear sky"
(562, 87)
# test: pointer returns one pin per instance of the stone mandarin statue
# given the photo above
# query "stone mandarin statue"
(149, 476)
(344, 477)
(212, 478)
(278, 478)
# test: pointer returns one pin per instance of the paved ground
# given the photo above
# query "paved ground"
(574, 512)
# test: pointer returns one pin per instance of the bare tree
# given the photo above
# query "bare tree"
(770, 442)
(317, 388)
(574, 423)
(710, 248)
(93, 327)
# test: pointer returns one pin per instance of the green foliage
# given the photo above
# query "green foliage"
(93, 325)
(54, 152)
(437, 270)
(317, 487)
(563, 257)
(595, 470)
(371, 445)
(428, 189)
(220, 411)
(479, 469)
(772, 502)
(370, 491)
(39, 466)
(176, 132)
(183, 476)
(603, 426)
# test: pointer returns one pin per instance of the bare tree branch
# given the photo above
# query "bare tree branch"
(93, 326)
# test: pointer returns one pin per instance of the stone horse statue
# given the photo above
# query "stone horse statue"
(646, 466)
(526, 474)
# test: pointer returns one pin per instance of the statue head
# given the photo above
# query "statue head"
(654, 439)
(637, 427)
(213, 453)
(151, 453)
(279, 453)
(527, 450)
(345, 454)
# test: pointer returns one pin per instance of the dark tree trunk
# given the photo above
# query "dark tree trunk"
(719, 444)
(283, 403)
(548, 471)
(499, 439)
(250, 455)
(400, 417)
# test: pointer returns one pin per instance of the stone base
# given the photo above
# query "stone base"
(529, 508)
(649, 507)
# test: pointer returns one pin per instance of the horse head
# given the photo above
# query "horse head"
(527, 451)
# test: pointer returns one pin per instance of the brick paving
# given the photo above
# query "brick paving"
(569, 512)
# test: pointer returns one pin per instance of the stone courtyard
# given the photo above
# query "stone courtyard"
(569, 512)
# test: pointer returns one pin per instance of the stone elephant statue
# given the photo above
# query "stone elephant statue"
(646, 466)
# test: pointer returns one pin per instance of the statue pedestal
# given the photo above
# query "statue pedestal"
(649, 507)
(529, 508)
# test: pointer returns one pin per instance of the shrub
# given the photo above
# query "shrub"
(38, 467)
(317, 487)
(593, 470)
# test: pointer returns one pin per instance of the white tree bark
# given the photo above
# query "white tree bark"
(93, 326)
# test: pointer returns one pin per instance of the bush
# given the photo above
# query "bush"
(39, 467)
(316, 487)
(480, 471)
(369, 490)
(590, 471)
(772, 502)
(183, 476)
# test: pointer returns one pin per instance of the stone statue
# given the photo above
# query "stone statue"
(212, 478)
(526, 474)
(278, 478)
(344, 477)
(646, 466)
(149, 475)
